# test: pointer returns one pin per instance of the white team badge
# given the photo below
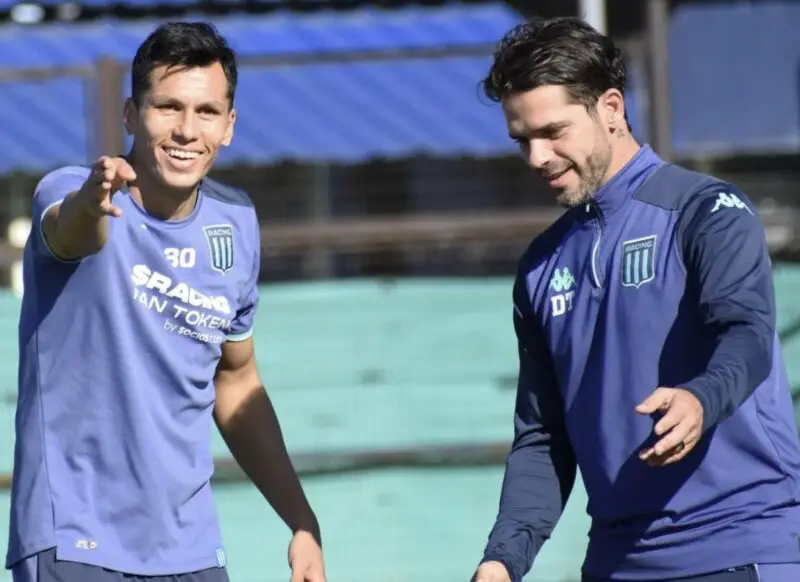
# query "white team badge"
(220, 246)
(638, 261)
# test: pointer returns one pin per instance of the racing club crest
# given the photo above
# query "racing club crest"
(220, 246)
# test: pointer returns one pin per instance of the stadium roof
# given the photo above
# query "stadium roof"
(283, 33)
(731, 93)
(6, 4)
(344, 109)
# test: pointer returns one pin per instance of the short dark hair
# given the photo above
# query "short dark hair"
(184, 45)
(558, 51)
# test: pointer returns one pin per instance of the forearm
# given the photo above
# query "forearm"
(727, 259)
(742, 360)
(74, 229)
(250, 428)
(540, 474)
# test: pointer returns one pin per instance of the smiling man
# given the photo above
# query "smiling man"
(649, 359)
(136, 331)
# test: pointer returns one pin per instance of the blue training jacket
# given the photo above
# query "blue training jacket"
(663, 279)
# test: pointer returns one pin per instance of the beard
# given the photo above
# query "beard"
(591, 175)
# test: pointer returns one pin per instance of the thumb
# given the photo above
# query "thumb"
(658, 400)
(109, 209)
(125, 172)
(297, 575)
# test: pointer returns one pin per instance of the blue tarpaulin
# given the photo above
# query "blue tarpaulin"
(344, 111)
(735, 78)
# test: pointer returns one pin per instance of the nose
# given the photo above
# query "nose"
(539, 153)
(187, 129)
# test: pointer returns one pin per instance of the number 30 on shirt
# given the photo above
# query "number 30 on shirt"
(184, 258)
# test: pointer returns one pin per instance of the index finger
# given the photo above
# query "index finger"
(671, 419)
(103, 163)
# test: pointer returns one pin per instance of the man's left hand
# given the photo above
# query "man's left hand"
(305, 558)
(682, 423)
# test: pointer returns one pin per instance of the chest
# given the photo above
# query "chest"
(609, 279)
(182, 286)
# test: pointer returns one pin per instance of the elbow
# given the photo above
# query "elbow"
(755, 341)
(66, 247)
(763, 352)
(743, 361)
(80, 251)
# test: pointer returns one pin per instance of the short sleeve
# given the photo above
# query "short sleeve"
(242, 326)
(50, 191)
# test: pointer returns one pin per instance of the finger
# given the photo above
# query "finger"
(101, 175)
(658, 400)
(104, 166)
(124, 170)
(297, 575)
(110, 210)
(674, 456)
(661, 460)
(102, 163)
(668, 421)
(677, 436)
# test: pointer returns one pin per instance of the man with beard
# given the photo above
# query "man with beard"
(649, 359)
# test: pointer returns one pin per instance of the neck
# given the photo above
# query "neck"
(621, 153)
(158, 199)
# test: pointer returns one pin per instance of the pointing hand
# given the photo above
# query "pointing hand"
(106, 177)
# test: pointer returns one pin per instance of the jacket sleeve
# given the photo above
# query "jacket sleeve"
(540, 469)
(727, 260)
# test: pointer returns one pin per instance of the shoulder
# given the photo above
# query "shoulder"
(68, 175)
(541, 249)
(226, 194)
(675, 188)
(696, 198)
(230, 205)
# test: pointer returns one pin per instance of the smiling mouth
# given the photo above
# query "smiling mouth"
(180, 154)
(556, 176)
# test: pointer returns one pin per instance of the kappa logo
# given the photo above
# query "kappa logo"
(562, 284)
(220, 246)
(562, 280)
(638, 261)
(727, 200)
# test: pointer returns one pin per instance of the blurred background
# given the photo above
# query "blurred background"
(394, 209)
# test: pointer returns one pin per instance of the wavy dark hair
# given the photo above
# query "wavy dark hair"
(562, 51)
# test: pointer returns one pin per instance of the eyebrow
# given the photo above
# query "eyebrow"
(548, 129)
(166, 100)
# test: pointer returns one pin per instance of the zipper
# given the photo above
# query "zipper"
(596, 278)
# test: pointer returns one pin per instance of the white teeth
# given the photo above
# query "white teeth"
(182, 154)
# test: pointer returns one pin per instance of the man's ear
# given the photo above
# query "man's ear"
(129, 113)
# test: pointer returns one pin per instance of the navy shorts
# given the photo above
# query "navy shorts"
(754, 573)
(44, 567)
